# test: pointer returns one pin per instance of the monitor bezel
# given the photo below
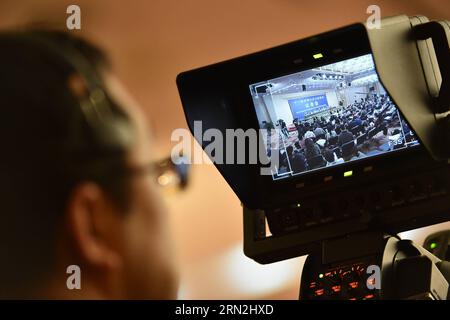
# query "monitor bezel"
(235, 101)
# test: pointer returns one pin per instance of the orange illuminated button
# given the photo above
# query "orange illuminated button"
(312, 285)
(353, 284)
(369, 296)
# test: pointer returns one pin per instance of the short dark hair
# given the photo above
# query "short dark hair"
(309, 143)
(41, 125)
(290, 150)
(328, 155)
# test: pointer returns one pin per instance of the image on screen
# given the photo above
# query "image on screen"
(329, 116)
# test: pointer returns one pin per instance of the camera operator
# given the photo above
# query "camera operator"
(66, 198)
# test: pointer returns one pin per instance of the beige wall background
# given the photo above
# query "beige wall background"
(150, 42)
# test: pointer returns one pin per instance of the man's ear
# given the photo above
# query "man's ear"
(88, 215)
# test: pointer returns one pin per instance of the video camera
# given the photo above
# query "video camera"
(357, 119)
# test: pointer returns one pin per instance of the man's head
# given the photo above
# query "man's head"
(328, 155)
(309, 143)
(290, 150)
(72, 186)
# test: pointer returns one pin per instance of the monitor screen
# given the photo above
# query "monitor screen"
(328, 116)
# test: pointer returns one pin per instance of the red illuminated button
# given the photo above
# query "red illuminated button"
(336, 288)
(319, 292)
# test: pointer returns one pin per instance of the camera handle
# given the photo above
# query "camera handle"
(439, 32)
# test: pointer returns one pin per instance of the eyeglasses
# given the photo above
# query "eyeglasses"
(171, 174)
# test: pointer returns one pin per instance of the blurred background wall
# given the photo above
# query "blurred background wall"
(150, 42)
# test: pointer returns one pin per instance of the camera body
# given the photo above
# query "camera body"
(387, 89)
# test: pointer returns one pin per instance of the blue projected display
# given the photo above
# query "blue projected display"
(301, 107)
